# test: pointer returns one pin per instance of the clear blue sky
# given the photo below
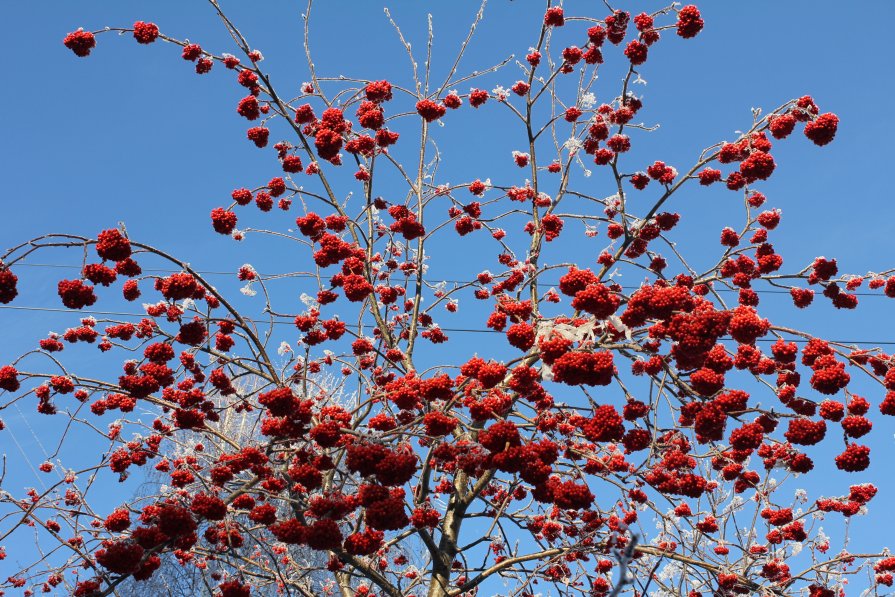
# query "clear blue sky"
(132, 134)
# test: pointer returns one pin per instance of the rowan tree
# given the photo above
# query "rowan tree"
(644, 439)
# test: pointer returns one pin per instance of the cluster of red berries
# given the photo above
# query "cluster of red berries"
(80, 42)
(604, 426)
(75, 294)
(8, 285)
(587, 368)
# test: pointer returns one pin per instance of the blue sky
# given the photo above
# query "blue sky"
(132, 134)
